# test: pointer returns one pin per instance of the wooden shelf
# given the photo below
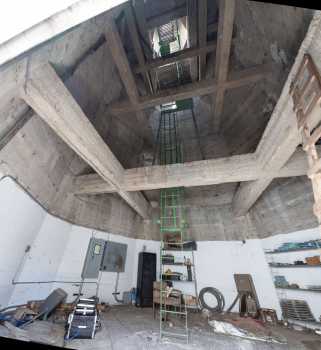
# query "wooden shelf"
(292, 250)
(176, 264)
(166, 280)
(300, 289)
(293, 266)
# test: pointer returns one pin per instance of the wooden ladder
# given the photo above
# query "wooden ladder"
(306, 93)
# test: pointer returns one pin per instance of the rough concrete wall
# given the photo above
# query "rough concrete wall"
(40, 161)
(45, 166)
(285, 206)
(263, 33)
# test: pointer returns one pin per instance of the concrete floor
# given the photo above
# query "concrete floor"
(130, 328)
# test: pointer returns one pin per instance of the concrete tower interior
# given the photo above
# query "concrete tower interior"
(160, 184)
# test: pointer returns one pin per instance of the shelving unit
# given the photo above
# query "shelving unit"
(293, 266)
(292, 250)
(282, 292)
(300, 289)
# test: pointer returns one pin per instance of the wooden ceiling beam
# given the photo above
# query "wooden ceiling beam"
(224, 41)
(47, 95)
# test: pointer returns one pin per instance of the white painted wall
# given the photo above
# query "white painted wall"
(302, 276)
(216, 263)
(42, 261)
(74, 257)
(58, 250)
(21, 219)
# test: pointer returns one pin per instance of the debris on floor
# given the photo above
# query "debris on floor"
(229, 329)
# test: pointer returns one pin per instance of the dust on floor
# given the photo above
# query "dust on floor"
(130, 328)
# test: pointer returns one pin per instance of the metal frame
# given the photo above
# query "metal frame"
(172, 215)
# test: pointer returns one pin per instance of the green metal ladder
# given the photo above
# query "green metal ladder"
(172, 216)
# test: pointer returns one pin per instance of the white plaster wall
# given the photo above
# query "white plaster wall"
(216, 262)
(58, 250)
(42, 261)
(20, 219)
(73, 259)
(302, 276)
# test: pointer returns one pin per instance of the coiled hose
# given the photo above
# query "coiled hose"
(217, 294)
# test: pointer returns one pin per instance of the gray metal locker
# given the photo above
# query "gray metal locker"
(93, 259)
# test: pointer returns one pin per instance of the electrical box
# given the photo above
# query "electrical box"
(93, 259)
(114, 259)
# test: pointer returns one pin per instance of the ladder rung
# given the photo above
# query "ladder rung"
(175, 334)
(315, 136)
(316, 168)
(174, 312)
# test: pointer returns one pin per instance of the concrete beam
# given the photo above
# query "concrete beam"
(224, 41)
(198, 173)
(176, 56)
(165, 17)
(45, 92)
(192, 27)
(120, 59)
(60, 22)
(200, 88)
(281, 137)
(133, 32)
(202, 36)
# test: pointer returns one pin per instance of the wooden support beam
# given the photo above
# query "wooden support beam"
(224, 40)
(120, 59)
(136, 44)
(202, 36)
(176, 56)
(200, 88)
(198, 173)
(45, 92)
